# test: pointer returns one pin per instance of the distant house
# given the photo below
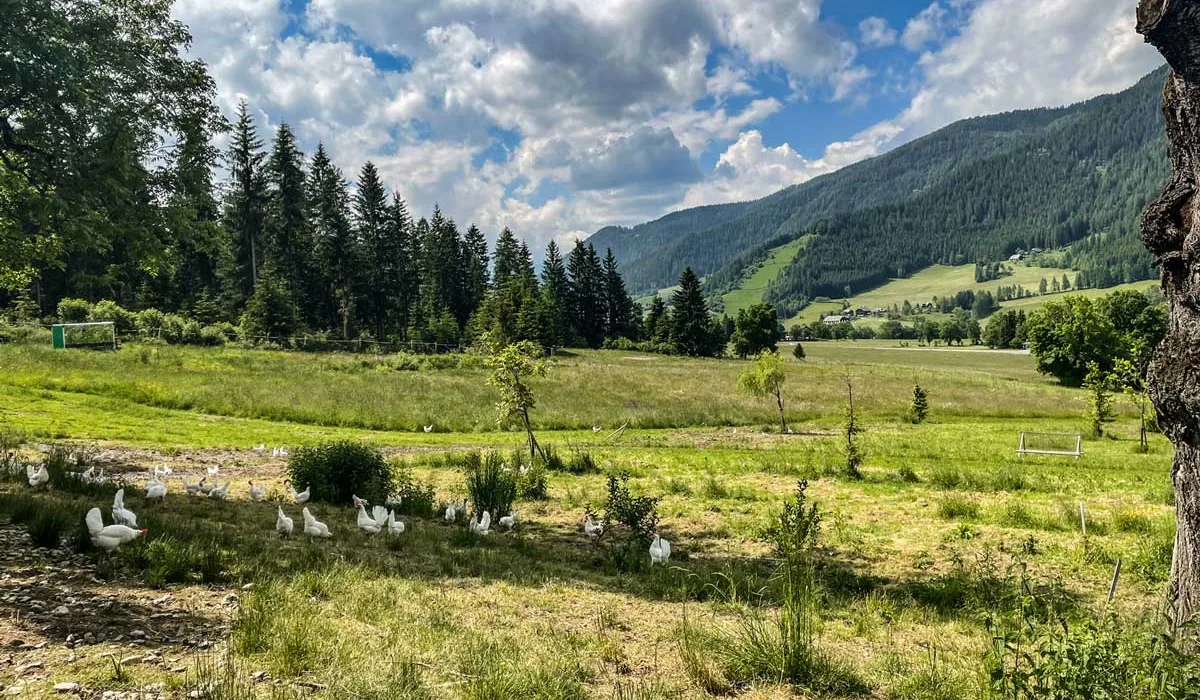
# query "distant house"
(1016, 257)
(834, 320)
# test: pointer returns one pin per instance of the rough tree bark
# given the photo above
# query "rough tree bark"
(1171, 231)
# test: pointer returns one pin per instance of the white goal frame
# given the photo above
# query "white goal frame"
(1076, 453)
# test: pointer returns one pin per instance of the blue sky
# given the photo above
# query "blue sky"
(557, 117)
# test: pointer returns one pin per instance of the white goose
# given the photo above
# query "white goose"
(120, 514)
(394, 527)
(110, 537)
(214, 471)
(283, 524)
(660, 550)
(509, 521)
(314, 527)
(38, 477)
(258, 493)
(591, 528)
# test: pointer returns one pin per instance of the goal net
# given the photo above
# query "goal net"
(1062, 444)
(97, 334)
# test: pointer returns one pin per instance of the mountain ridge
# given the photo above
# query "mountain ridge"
(720, 241)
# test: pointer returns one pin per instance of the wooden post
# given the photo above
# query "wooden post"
(1112, 587)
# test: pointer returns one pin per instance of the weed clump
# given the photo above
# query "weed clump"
(491, 485)
(46, 528)
(336, 471)
(630, 523)
(416, 499)
(958, 508)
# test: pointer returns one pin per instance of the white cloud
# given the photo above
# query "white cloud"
(876, 33)
(927, 27)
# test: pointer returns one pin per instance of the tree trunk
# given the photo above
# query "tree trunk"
(1171, 231)
(782, 421)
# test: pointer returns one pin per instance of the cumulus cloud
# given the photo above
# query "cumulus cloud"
(876, 33)
(646, 157)
(926, 27)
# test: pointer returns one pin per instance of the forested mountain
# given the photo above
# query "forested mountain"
(977, 189)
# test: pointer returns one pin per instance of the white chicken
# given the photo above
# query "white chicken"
(283, 524)
(192, 487)
(314, 527)
(660, 550)
(595, 428)
(38, 477)
(261, 449)
(110, 537)
(214, 470)
(451, 513)
(258, 493)
(592, 528)
(484, 524)
(372, 522)
(220, 492)
(279, 452)
(156, 491)
(429, 428)
(509, 521)
(121, 515)
(394, 527)
(92, 476)
(299, 498)
(158, 473)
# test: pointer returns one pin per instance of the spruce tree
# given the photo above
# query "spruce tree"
(587, 308)
(329, 216)
(245, 208)
(378, 253)
(920, 404)
(507, 262)
(406, 251)
(288, 234)
(619, 308)
(692, 329)
(554, 297)
(193, 215)
(475, 269)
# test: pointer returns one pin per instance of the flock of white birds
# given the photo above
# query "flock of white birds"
(379, 519)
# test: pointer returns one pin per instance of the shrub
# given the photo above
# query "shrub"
(920, 405)
(531, 483)
(946, 477)
(212, 336)
(491, 485)
(794, 533)
(630, 523)
(581, 462)
(108, 310)
(907, 474)
(338, 470)
(172, 328)
(957, 507)
(798, 351)
(416, 499)
(73, 311)
(46, 528)
(150, 322)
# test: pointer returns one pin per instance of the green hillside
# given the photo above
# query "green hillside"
(947, 280)
(975, 190)
(752, 288)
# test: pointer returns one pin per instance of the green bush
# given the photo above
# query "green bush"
(150, 322)
(73, 311)
(172, 328)
(46, 528)
(630, 523)
(531, 483)
(108, 310)
(581, 462)
(798, 351)
(491, 485)
(212, 336)
(416, 499)
(338, 470)
(794, 533)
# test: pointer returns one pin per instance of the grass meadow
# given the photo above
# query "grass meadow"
(948, 527)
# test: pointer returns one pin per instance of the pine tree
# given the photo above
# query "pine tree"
(406, 251)
(288, 234)
(656, 324)
(333, 237)
(619, 308)
(507, 262)
(554, 298)
(587, 309)
(193, 215)
(378, 250)
(245, 209)
(475, 268)
(692, 330)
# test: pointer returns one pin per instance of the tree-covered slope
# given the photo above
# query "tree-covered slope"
(977, 188)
